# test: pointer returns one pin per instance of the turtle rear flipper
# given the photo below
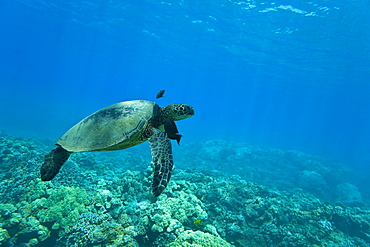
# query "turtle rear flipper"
(162, 160)
(53, 161)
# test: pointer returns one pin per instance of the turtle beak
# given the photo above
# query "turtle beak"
(191, 111)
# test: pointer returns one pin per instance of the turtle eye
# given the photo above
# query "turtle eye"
(188, 110)
(185, 110)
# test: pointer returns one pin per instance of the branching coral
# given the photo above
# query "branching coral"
(63, 207)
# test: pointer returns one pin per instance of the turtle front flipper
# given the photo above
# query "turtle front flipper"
(162, 160)
(53, 161)
(171, 130)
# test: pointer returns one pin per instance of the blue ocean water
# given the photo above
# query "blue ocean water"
(290, 75)
(278, 151)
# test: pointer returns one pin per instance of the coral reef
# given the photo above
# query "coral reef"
(105, 200)
(62, 207)
(191, 238)
(348, 194)
(271, 167)
(93, 229)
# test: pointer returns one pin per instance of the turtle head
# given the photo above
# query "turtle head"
(178, 111)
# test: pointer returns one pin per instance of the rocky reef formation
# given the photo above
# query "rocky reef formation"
(275, 168)
(105, 200)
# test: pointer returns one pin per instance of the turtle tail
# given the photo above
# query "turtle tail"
(53, 161)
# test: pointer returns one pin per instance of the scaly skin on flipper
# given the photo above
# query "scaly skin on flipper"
(162, 160)
(53, 161)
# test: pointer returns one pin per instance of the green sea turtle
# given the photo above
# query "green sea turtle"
(121, 126)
